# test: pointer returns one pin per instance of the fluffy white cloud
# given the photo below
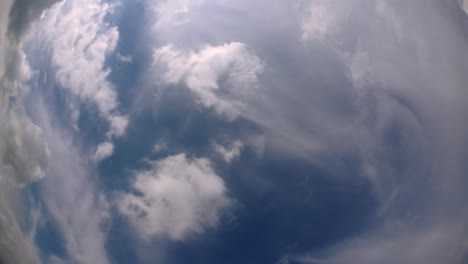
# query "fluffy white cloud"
(178, 197)
(229, 153)
(203, 70)
(103, 151)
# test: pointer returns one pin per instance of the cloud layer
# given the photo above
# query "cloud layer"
(360, 92)
(23, 150)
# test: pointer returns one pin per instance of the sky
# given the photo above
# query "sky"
(221, 131)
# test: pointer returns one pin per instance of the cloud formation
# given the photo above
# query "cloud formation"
(394, 62)
(380, 81)
(23, 150)
(80, 44)
(103, 151)
(229, 153)
(218, 75)
(177, 198)
(70, 196)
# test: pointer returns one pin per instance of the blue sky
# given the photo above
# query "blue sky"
(220, 131)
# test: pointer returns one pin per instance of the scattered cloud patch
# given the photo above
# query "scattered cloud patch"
(103, 151)
(229, 153)
(203, 71)
(178, 197)
(123, 58)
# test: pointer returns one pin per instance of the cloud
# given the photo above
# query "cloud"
(172, 13)
(23, 150)
(16, 243)
(230, 153)
(432, 245)
(320, 19)
(80, 44)
(394, 62)
(203, 71)
(70, 194)
(124, 59)
(178, 197)
(379, 82)
(79, 40)
(103, 151)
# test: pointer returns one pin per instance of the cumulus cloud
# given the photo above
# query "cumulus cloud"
(103, 151)
(203, 71)
(178, 197)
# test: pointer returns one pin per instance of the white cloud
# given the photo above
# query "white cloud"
(104, 151)
(229, 153)
(81, 40)
(178, 197)
(124, 59)
(203, 70)
(70, 194)
(119, 125)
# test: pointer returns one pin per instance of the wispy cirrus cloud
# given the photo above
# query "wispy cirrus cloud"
(80, 44)
(70, 193)
(396, 61)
